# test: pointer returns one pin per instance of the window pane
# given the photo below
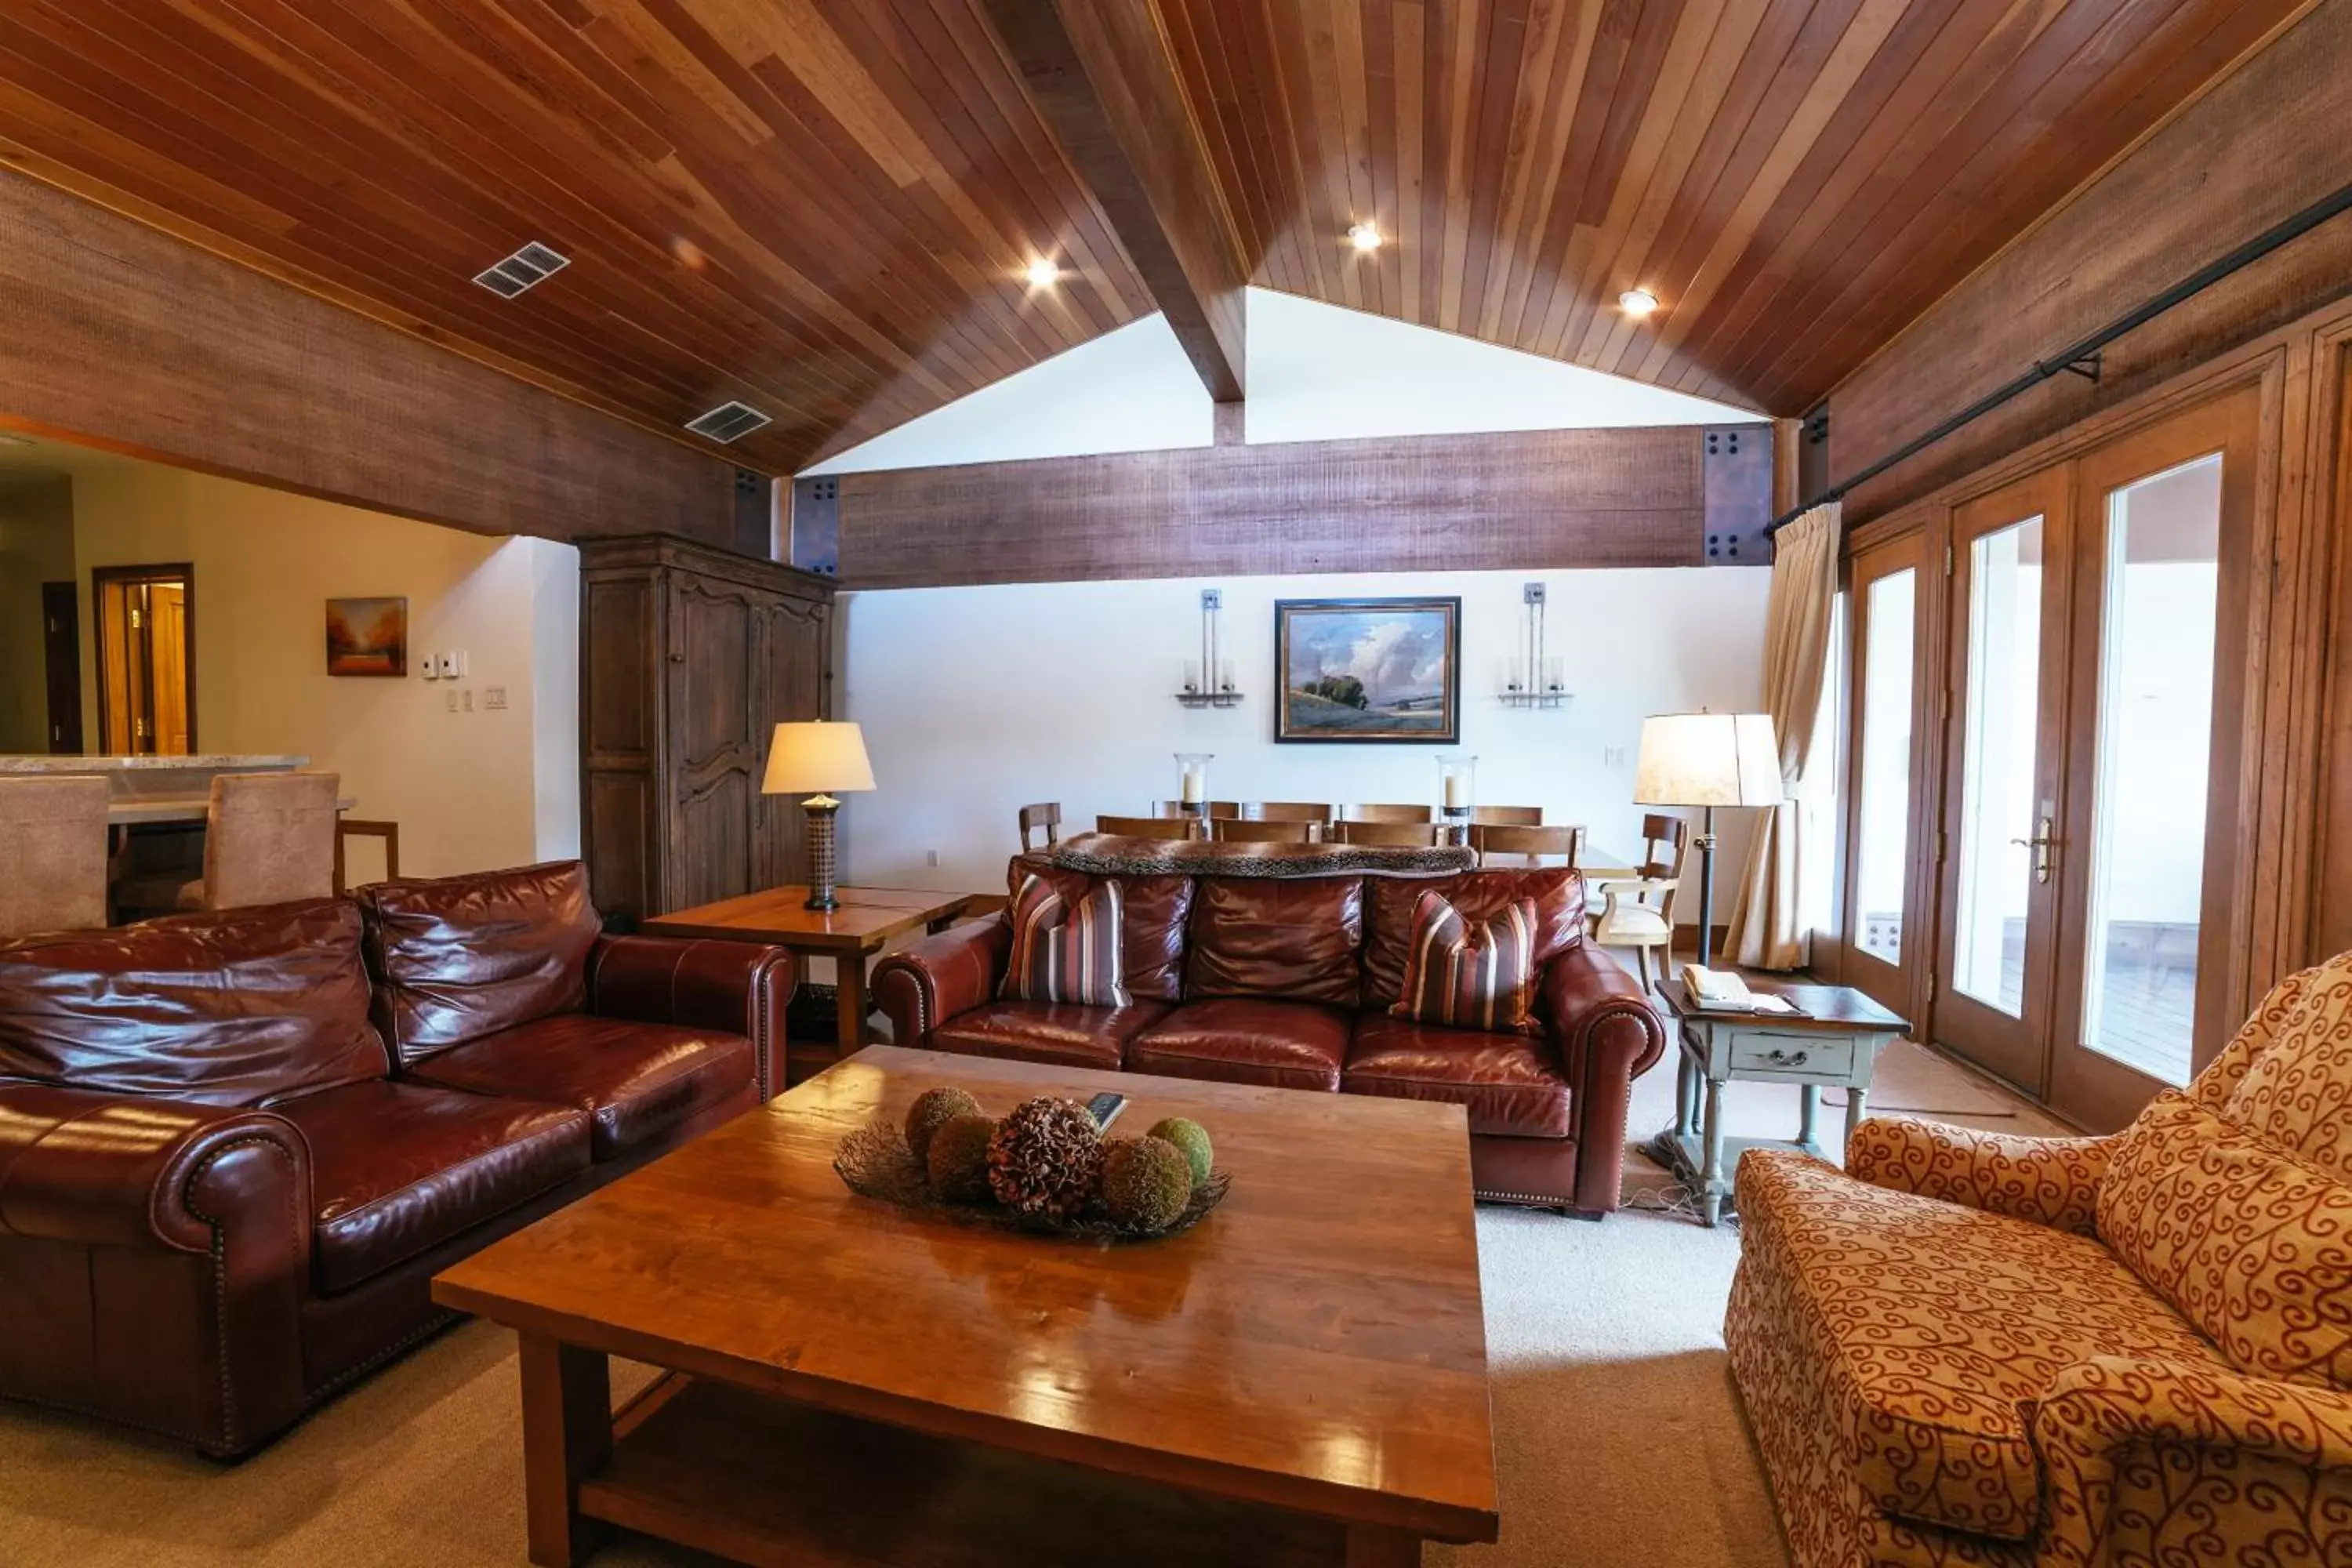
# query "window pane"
(1997, 804)
(1883, 806)
(2155, 724)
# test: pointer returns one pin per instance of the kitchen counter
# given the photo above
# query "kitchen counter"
(207, 763)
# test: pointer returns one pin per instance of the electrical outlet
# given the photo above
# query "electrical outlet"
(452, 696)
(493, 697)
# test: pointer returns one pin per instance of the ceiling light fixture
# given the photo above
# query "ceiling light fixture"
(1364, 235)
(1637, 302)
(1043, 273)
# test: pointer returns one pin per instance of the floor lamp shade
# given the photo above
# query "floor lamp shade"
(815, 759)
(1707, 760)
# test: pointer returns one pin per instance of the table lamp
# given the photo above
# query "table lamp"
(815, 759)
(1707, 760)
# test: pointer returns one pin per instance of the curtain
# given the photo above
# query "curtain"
(1768, 927)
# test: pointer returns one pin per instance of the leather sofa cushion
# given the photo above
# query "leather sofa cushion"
(1556, 891)
(457, 958)
(1507, 1081)
(1060, 1033)
(637, 1081)
(1242, 1039)
(1151, 923)
(399, 1168)
(1290, 939)
(230, 1007)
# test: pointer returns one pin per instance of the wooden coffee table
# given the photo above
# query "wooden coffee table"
(1300, 1379)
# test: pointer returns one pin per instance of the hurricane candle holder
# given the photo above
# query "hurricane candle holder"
(1192, 791)
(1457, 791)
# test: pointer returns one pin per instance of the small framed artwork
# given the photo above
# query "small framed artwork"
(1367, 669)
(367, 636)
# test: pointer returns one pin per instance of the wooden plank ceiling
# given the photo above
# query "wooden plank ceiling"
(823, 207)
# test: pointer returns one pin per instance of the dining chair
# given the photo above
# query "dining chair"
(1044, 813)
(1384, 814)
(1639, 911)
(1144, 826)
(1387, 835)
(1285, 811)
(1176, 808)
(1507, 815)
(354, 827)
(53, 842)
(1530, 845)
(1276, 830)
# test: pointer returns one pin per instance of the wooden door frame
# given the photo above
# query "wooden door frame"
(180, 572)
(1895, 985)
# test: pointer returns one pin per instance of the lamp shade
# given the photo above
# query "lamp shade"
(816, 758)
(1709, 759)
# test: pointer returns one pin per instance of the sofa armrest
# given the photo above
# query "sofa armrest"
(1608, 1034)
(2049, 1181)
(743, 987)
(922, 985)
(2154, 1462)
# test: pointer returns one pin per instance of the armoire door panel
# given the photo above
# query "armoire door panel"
(714, 841)
(617, 721)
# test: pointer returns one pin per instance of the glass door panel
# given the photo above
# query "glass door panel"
(1883, 795)
(2000, 859)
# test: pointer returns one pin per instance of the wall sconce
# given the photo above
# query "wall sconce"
(1209, 679)
(1534, 678)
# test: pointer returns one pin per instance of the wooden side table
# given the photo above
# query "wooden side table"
(850, 935)
(1834, 1039)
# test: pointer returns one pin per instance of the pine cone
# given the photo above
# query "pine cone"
(1046, 1158)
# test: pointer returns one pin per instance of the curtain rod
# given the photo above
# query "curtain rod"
(2082, 358)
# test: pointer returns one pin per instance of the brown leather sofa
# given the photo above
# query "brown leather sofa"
(235, 1147)
(1289, 983)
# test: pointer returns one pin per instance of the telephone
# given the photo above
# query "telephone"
(1723, 991)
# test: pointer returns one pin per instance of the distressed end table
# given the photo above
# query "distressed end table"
(1834, 1039)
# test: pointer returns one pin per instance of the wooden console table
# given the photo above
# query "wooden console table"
(1834, 1039)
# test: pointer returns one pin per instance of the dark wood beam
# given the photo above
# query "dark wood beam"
(1528, 500)
(115, 335)
(1104, 79)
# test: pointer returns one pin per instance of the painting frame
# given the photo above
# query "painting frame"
(1308, 629)
(367, 636)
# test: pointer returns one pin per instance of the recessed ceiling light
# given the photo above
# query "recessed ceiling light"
(1637, 302)
(1364, 235)
(1043, 273)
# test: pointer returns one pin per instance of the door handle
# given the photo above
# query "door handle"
(2041, 844)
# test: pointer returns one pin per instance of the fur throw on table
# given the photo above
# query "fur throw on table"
(1113, 855)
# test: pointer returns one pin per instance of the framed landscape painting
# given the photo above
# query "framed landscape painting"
(367, 636)
(1367, 669)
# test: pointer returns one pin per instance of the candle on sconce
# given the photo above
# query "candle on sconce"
(1224, 675)
(1192, 675)
(1555, 676)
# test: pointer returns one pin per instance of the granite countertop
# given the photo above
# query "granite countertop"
(216, 761)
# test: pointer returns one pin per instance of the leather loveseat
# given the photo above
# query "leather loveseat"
(236, 1146)
(1289, 983)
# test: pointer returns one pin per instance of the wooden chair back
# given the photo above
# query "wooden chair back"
(53, 843)
(1507, 815)
(1144, 826)
(1242, 831)
(349, 827)
(1176, 808)
(1384, 814)
(1530, 844)
(1666, 842)
(1389, 835)
(1044, 813)
(1285, 811)
(270, 838)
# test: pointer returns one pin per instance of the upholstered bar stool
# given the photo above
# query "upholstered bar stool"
(53, 842)
(268, 839)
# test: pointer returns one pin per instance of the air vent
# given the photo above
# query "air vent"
(518, 272)
(728, 421)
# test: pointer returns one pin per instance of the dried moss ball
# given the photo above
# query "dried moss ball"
(957, 1161)
(1046, 1158)
(1146, 1182)
(934, 1109)
(1190, 1137)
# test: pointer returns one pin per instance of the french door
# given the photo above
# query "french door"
(2094, 645)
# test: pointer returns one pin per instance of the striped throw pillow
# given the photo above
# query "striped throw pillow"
(1065, 954)
(1468, 976)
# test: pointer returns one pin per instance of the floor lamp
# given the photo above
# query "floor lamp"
(1707, 760)
(815, 759)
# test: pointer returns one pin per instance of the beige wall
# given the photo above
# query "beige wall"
(470, 789)
(36, 547)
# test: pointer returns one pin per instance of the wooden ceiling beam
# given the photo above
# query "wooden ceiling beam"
(1104, 78)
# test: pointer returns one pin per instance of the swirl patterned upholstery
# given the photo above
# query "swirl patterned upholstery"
(1975, 1348)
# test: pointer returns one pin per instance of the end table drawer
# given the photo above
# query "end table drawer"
(1812, 1055)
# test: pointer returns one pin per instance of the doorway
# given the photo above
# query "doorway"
(145, 642)
(61, 667)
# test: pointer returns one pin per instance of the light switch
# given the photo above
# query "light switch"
(493, 697)
(452, 697)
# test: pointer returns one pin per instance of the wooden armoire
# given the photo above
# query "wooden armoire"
(690, 657)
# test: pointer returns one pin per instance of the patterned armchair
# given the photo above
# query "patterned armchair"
(2130, 1352)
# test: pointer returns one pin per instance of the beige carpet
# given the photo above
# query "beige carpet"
(1617, 1435)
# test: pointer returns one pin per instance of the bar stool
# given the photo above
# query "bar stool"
(53, 841)
(270, 838)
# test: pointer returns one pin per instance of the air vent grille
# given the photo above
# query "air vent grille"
(518, 272)
(727, 422)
